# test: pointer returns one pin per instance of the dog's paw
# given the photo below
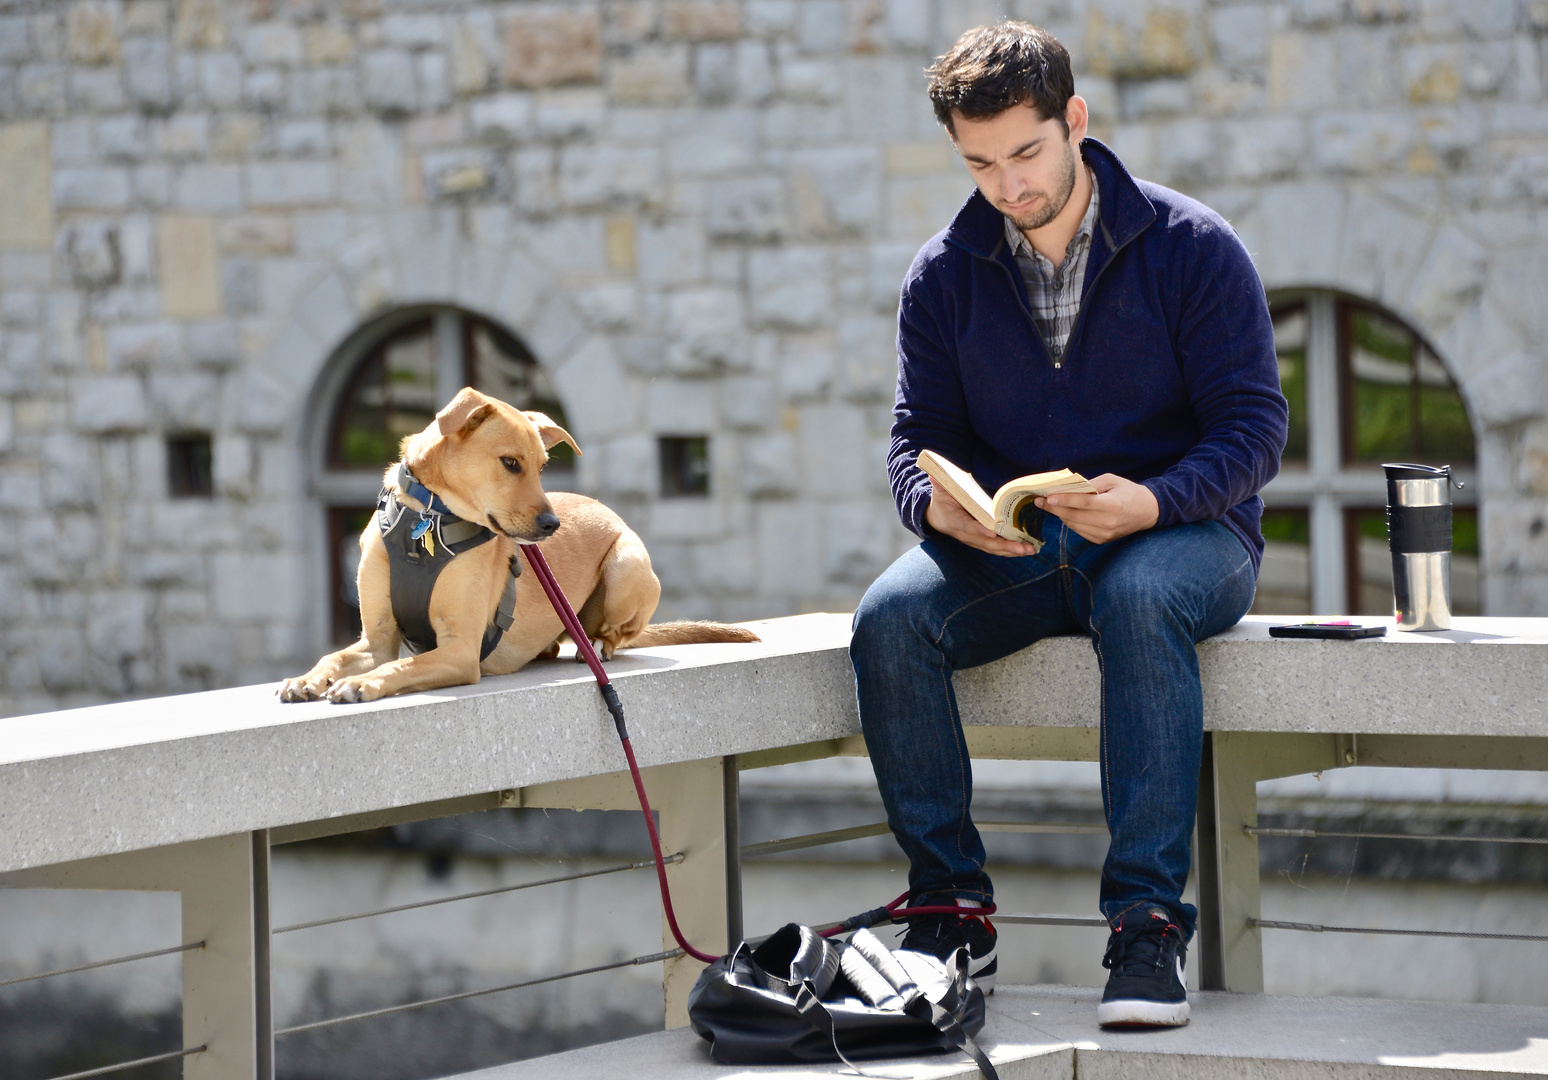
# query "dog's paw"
(354, 689)
(300, 689)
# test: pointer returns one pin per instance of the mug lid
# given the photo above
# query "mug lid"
(1407, 471)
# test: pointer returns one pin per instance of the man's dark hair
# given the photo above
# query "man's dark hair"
(992, 68)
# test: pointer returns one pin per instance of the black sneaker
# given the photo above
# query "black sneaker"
(1145, 954)
(941, 935)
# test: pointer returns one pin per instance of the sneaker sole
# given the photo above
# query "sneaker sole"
(1137, 1013)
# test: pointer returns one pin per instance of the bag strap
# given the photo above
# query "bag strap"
(947, 1025)
(815, 1013)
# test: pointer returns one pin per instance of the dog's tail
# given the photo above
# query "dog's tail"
(688, 632)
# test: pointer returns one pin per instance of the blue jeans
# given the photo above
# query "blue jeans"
(1144, 600)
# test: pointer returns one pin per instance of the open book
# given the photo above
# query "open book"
(1002, 512)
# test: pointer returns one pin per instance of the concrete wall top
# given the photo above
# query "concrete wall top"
(113, 778)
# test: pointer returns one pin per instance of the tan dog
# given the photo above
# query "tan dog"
(483, 458)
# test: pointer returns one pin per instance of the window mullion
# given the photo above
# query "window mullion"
(1323, 454)
(450, 365)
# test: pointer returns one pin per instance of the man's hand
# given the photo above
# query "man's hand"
(1119, 508)
(945, 515)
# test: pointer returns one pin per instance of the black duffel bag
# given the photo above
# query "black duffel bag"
(800, 998)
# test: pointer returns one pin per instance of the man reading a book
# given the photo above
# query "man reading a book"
(1071, 316)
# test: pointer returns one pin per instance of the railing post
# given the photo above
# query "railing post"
(1236, 963)
(732, 798)
(691, 800)
(263, 982)
(1206, 874)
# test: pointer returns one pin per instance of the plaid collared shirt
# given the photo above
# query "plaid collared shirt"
(1054, 294)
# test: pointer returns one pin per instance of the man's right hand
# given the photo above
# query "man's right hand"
(946, 515)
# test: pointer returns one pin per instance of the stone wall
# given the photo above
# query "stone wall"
(696, 213)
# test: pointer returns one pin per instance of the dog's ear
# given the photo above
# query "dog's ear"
(464, 413)
(551, 432)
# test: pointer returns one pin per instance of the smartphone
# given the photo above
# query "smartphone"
(1338, 631)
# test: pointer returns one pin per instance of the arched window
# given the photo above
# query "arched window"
(387, 382)
(1363, 388)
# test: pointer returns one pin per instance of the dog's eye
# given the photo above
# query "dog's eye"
(511, 464)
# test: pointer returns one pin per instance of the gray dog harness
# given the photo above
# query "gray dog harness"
(422, 543)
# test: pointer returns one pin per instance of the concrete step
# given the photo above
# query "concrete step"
(1050, 1033)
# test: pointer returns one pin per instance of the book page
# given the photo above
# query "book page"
(1009, 498)
(960, 485)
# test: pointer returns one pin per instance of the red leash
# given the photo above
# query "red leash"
(875, 917)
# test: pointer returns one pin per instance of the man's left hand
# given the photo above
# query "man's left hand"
(1119, 508)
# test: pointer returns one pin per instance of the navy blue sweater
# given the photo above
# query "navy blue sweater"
(1169, 377)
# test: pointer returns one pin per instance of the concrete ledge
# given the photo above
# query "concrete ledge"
(87, 782)
(1050, 1033)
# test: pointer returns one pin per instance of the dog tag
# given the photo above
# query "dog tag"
(420, 528)
(430, 542)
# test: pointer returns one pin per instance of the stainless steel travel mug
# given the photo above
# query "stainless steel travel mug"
(1419, 534)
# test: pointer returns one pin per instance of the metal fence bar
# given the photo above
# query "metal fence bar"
(636, 962)
(135, 1064)
(880, 828)
(676, 857)
(103, 963)
(1051, 920)
(1318, 928)
(1251, 831)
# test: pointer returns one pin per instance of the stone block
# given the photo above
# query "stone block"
(569, 112)
(27, 211)
(121, 138)
(754, 71)
(7, 426)
(212, 343)
(918, 207)
(274, 42)
(836, 191)
(1432, 73)
(804, 367)
(815, 80)
(472, 61)
(22, 371)
(605, 176)
(303, 138)
(1265, 148)
(93, 34)
(726, 567)
(701, 20)
(610, 305)
(1382, 247)
(681, 406)
(751, 208)
(238, 136)
(148, 72)
(388, 79)
(220, 79)
(211, 188)
(327, 43)
(70, 141)
(1450, 278)
(190, 279)
(710, 142)
(183, 135)
(650, 74)
(257, 402)
(770, 18)
(794, 125)
(1489, 18)
(1133, 41)
(789, 541)
(860, 542)
(370, 165)
(291, 183)
(254, 585)
(1240, 34)
(748, 402)
(1302, 71)
(89, 249)
(139, 346)
(1355, 143)
(1294, 233)
(92, 189)
(715, 72)
(414, 31)
(552, 45)
(707, 332)
(822, 26)
(450, 173)
(200, 24)
(598, 395)
(40, 89)
(501, 118)
(60, 655)
(233, 463)
(152, 185)
(867, 359)
(109, 403)
(671, 253)
(790, 287)
(619, 235)
(14, 45)
(1151, 98)
(627, 465)
(1510, 390)
(434, 80)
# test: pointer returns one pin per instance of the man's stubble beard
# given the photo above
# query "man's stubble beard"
(1054, 204)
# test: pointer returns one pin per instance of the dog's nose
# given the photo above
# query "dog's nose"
(548, 522)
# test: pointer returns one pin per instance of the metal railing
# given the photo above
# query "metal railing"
(756, 851)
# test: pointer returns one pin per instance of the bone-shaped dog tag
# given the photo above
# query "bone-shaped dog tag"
(420, 528)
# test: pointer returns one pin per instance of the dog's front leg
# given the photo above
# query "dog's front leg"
(379, 635)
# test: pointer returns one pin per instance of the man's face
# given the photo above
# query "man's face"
(1023, 164)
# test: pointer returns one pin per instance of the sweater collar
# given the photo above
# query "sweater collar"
(1123, 212)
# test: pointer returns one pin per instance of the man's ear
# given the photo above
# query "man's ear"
(464, 413)
(551, 432)
(1078, 117)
